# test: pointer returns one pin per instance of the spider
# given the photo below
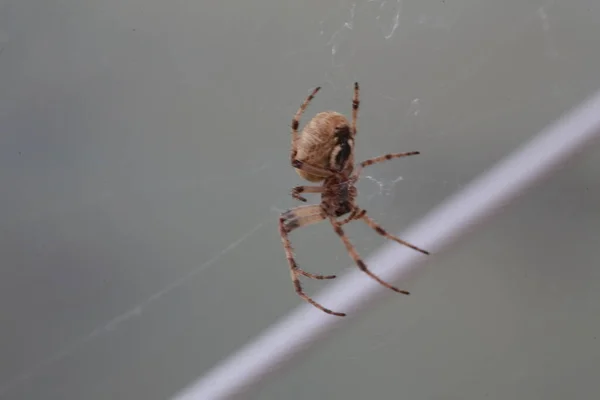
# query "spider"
(324, 152)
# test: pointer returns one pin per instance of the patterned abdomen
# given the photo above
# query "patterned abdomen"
(317, 142)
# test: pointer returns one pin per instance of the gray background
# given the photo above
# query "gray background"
(144, 160)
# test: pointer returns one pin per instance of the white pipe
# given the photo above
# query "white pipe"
(448, 223)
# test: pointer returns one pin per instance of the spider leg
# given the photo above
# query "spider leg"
(380, 159)
(356, 213)
(355, 105)
(377, 228)
(354, 254)
(297, 218)
(296, 122)
(376, 160)
(293, 219)
(303, 212)
(296, 119)
(305, 189)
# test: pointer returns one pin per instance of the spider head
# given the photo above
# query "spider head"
(341, 155)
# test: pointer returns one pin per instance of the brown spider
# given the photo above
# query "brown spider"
(325, 152)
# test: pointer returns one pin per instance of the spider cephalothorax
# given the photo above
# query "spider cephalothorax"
(324, 152)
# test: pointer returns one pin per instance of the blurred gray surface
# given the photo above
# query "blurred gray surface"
(144, 159)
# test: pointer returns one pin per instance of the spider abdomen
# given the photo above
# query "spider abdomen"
(325, 142)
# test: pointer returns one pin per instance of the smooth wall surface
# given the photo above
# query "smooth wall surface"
(144, 161)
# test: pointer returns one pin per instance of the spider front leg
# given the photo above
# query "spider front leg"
(356, 257)
(386, 157)
(305, 189)
(380, 159)
(355, 105)
(294, 219)
(296, 119)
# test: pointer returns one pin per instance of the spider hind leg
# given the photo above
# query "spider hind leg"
(294, 219)
(377, 228)
(356, 257)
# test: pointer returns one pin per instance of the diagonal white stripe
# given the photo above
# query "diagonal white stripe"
(281, 343)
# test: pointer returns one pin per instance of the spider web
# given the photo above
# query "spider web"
(342, 32)
(392, 118)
